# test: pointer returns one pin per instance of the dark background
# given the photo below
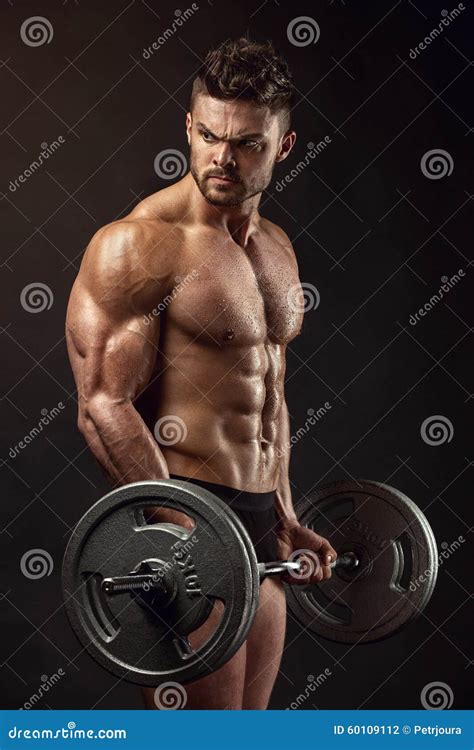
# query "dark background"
(371, 232)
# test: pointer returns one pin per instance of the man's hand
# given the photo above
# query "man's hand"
(316, 553)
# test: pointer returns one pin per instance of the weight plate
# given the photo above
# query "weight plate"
(398, 562)
(429, 585)
(127, 633)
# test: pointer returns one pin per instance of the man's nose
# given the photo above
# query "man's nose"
(223, 155)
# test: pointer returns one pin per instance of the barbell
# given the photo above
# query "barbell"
(136, 589)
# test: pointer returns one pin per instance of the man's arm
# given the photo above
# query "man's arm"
(283, 502)
(113, 350)
(315, 551)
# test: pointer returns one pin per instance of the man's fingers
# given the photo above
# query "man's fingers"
(327, 553)
(315, 560)
(315, 569)
(321, 573)
(326, 556)
(327, 572)
(309, 566)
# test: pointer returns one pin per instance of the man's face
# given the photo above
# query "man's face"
(234, 146)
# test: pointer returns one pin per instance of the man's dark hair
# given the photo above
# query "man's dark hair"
(250, 71)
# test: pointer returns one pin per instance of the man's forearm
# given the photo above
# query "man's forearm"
(122, 443)
(283, 501)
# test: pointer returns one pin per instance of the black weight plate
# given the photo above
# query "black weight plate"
(112, 538)
(396, 547)
(429, 573)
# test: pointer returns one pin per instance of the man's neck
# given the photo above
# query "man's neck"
(238, 221)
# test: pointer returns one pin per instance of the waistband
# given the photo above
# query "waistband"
(236, 499)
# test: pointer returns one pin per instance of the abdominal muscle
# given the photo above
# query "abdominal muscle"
(218, 414)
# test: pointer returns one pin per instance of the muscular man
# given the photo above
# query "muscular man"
(180, 317)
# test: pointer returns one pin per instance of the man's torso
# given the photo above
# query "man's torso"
(223, 333)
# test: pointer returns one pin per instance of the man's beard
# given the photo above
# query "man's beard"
(238, 193)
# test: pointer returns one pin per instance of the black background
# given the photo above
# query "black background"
(371, 232)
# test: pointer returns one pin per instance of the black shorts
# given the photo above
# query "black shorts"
(256, 510)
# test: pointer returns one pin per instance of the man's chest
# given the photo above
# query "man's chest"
(226, 295)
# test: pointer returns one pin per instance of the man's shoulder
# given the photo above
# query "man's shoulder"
(276, 234)
(133, 233)
(166, 206)
(153, 221)
(127, 255)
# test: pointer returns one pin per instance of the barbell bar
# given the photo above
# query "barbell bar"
(156, 579)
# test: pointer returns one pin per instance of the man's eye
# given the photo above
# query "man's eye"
(206, 136)
(249, 144)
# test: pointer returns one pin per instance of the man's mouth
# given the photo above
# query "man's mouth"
(220, 178)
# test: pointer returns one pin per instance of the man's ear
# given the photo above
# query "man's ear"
(287, 143)
(189, 123)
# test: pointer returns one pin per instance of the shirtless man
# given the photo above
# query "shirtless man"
(183, 310)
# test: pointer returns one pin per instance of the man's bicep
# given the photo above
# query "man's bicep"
(112, 356)
(112, 344)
